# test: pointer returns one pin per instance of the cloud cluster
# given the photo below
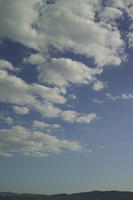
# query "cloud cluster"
(22, 141)
(6, 119)
(4, 64)
(40, 124)
(64, 71)
(98, 101)
(21, 110)
(121, 97)
(17, 19)
(35, 96)
(72, 25)
(86, 27)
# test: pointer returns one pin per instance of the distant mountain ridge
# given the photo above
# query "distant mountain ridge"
(94, 195)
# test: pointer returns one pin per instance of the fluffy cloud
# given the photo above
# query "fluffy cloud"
(14, 90)
(6, 119)
(39, 97)
(4, 64)
(34, 59)
(27, 142)
(73, 116)
(67, 25)
(63, 71)
(110, 14)
(98, 85)
(40, 124)
(98, 101)
(116, 98)
(71, 25)
(17, 19)
(21, 110)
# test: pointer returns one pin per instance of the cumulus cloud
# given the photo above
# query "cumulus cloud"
(40, 124)
(98, 101)
(71, 25)
(39, 97)
(98, 85)
(4, 64)
(73, 116)
(6, 119)
(110, 14)
(17, 19)
(34, 59)
(22, 141)
(116, 98)
(50, 111)
(67, 25)
(85, 27)
(21, 110)
(14, 90)
(62, 71)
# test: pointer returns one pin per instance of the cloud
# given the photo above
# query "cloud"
(73, 116)
(4, 64)
(21, 110)
(64, 71)
(40, 124)
(17, 19)
(14, 90)
(72, 96)
(98, 85)
(50, 111)
(110, 14)
(6, 119)
(22, 141)
(3, 154)
(34, 59)
(66, 25)
(121, 97)
(98, 101)
(71, 25)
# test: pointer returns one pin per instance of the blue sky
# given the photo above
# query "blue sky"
(66, 97)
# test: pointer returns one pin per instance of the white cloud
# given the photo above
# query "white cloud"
(54, 94)
(34, 59)
(17, 19)
(116, 98)
(20, 110)
(98, 85)
(110, 14)
(66, 25)
(62, 71)
(40, 124)
(14, 90)
(72, 96)
(50, 111)
(70, 25)
(20, 140)
(6, 119)
(4, 64)
(98, 101)
(3, 154)
(73, 116)
(39, 97)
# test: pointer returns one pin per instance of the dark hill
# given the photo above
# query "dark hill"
(94, 195)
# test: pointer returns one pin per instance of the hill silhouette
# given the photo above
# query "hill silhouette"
(94, 195)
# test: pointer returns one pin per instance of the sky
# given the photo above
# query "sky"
(66, 95)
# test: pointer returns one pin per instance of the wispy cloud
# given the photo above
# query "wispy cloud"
(121, 97)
